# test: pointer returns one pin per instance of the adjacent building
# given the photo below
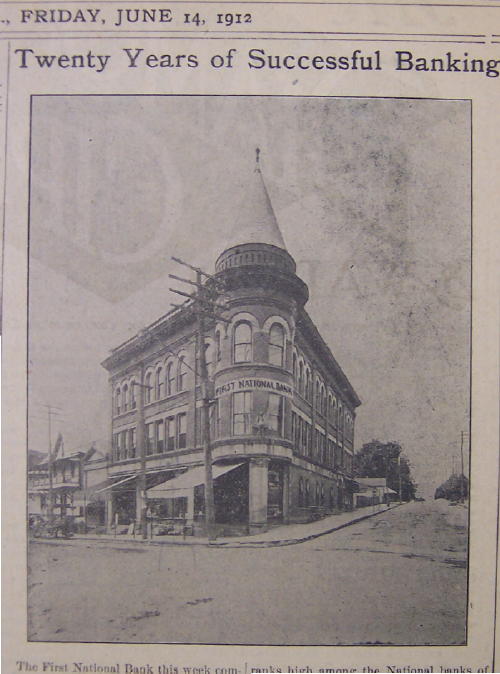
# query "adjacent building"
(282, 412)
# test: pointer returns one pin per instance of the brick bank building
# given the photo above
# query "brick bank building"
(283, 411)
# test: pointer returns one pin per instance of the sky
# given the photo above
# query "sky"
(372, 197)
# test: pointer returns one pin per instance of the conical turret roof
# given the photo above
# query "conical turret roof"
(255, 221)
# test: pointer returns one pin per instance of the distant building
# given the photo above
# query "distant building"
(372, 491)
(66, 484)
(283, 413)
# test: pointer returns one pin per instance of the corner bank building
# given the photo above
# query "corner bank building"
(282, 413)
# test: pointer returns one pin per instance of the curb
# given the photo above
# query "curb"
(295, 541)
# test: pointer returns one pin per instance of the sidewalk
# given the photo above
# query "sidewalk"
(286, 534)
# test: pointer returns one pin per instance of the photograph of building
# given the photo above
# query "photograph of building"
(249, 318)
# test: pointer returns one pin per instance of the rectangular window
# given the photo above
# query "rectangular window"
(275, 413)
(150, 439)
(170, 434)
(181, 431)
(199, 431)
(132, 443)
(160, 442)
(242, 406)
(303, 440)
(122, 441)
(116, 448)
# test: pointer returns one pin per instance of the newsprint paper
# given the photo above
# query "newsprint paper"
(250, 336)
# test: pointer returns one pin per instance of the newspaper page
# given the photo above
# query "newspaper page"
(250, 336)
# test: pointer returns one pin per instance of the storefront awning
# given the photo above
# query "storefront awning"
(44, 489)
(181, 485)
(114, 484)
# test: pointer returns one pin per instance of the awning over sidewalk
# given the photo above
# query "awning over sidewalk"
(114, 484)
(183, 484)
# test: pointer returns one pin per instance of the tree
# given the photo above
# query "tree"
(455, 488)
(379, 459)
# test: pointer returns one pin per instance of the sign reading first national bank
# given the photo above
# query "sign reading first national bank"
(271, 385)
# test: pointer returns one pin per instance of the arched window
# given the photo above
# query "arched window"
(308, 393)
(132, 394)
(125, 397)
(294, 369)
(276, 345)
(159, 383)
(318, 397)
(182, 374)
(148, 388)
(301, 379)
(118, 401)
(170, 379)
(242, 343)
(323, 401)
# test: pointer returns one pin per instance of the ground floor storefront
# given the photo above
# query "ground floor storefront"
(250, 495)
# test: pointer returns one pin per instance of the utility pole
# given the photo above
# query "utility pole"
(141, 444)
(204, 305)
(51, 410)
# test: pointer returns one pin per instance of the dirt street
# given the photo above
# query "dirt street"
(398, 578)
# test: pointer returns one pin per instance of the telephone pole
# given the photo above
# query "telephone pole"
(141, 445)
(205, 305)
(51, 411)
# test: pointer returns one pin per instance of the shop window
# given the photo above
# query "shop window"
(276, 345)
(317, 495)
(182, 374)
(242, 343)
(170, 379)
(181, 431)
(160, 441)
(242, 407)
(301, 492)
(307, 493)
(147, 388)
(150, 439)
(159, 383)
(170, 434)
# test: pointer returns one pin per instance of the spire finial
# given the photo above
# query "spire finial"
(257, 156)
